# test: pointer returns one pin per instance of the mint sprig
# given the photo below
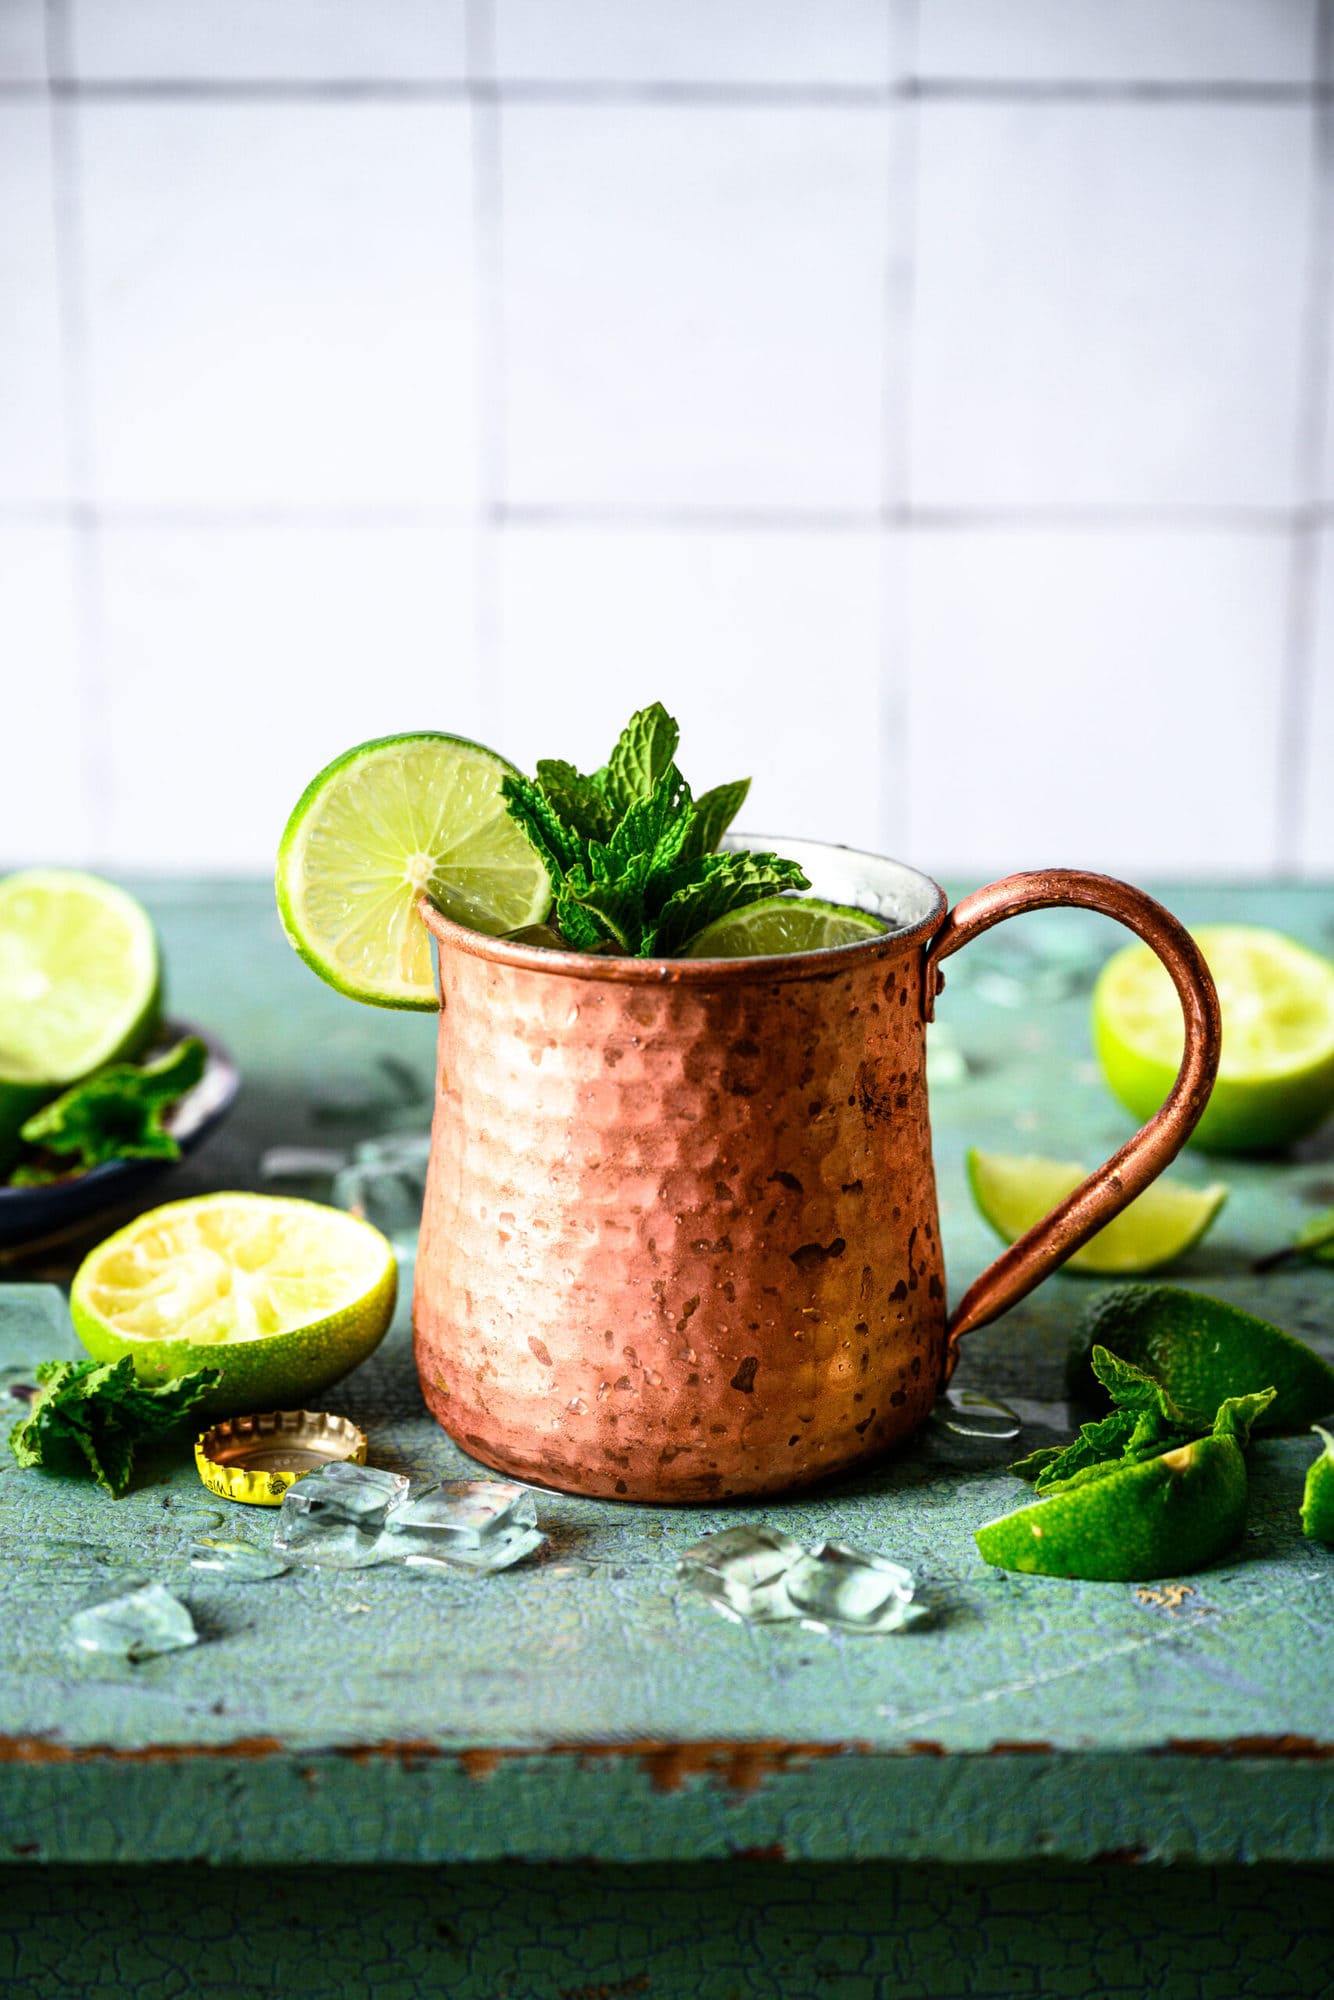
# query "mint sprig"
(632, 854)
(1144, 1424)
(115, 1114)
(92, 1417)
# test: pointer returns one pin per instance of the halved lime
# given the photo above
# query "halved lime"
(1276, 1076)
(1318, 1494)
(1163, 1516)
(284, 1296)
(1202, 1350)
(373, 830)
(1013, 1191)
(79, 986)
(778, 924)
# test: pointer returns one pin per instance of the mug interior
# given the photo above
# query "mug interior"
(884, 888)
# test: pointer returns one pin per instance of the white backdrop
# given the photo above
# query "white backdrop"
(930, 403)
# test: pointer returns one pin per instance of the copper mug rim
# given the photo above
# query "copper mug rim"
(858, 864)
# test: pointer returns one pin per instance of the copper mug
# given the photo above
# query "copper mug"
(680, 1240)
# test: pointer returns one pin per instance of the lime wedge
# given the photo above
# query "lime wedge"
(1276, 1077)
(378, 826)
(778, 924)
(1013, 1191)
(284, 1296)
(1318, 1496)
(79, 980)
(1164, 1516)
(1202, 1350)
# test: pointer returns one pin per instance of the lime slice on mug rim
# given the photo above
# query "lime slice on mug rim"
(778, 924)
(377, 827)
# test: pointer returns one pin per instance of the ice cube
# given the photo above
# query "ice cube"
(386, 1192)
(483, 1524)
(239, 1562)
(333, 1517)
(851, 1590)
(132, 1619)
(742, 1573)
(969, 1414)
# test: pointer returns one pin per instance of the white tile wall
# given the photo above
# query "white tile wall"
(244, 658)
(766, 645)
(693, 305)
(1109, 304)
(1119, 41)
(280, 307)
(1316, 778)
(303, 40)
(22, 41)
(922, 396)
(1095, 700)
(786, 42)
(32, 426)
(46, 797)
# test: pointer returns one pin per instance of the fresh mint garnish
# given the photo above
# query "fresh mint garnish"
(92, 1416)
(1144, 1424)
(116, 1114)
(632, 854)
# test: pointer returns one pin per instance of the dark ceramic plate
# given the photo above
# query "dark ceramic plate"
(30, 1216)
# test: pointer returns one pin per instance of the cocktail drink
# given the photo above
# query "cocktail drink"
(680, 1238)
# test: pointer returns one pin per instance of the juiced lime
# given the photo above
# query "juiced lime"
(1013, 1191)
(284, 1296)
(373, 830)
(79, 986)
(1318, 1498)
(778, 924)
(1202, 1351)
(1276, 1076)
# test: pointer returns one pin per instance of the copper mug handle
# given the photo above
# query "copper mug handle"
(1107, 1191)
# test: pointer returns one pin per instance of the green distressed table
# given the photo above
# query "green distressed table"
(752, 1811)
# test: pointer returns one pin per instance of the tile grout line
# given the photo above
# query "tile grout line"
(1297, 688)
(646, 92)
(489, 335)
(66, 172)
(896, 332)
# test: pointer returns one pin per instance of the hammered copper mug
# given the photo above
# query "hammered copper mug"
(680, 1240)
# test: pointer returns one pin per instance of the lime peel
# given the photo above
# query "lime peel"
(779, 924)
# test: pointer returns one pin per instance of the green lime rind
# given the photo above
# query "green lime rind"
(1165, 1516)
(1318, 1495)
(776, 925)
(1014, 1191)
(276, 1371)
(1276, 1079)
(1203, 1352)
(347, 897)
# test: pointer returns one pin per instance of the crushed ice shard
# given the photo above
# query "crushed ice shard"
(479, 1524)
(132, 1619)
(841, 1588)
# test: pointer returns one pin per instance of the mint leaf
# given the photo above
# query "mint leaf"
(1237, 1415)
(116, 1114)
(92, 1416)
(558, 844)
(643, 751)
(578, 801)
(714, 813)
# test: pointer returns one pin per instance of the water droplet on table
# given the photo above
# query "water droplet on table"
(967, 1413)
(237, 1562)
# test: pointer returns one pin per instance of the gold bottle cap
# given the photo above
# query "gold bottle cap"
(256, 1459)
